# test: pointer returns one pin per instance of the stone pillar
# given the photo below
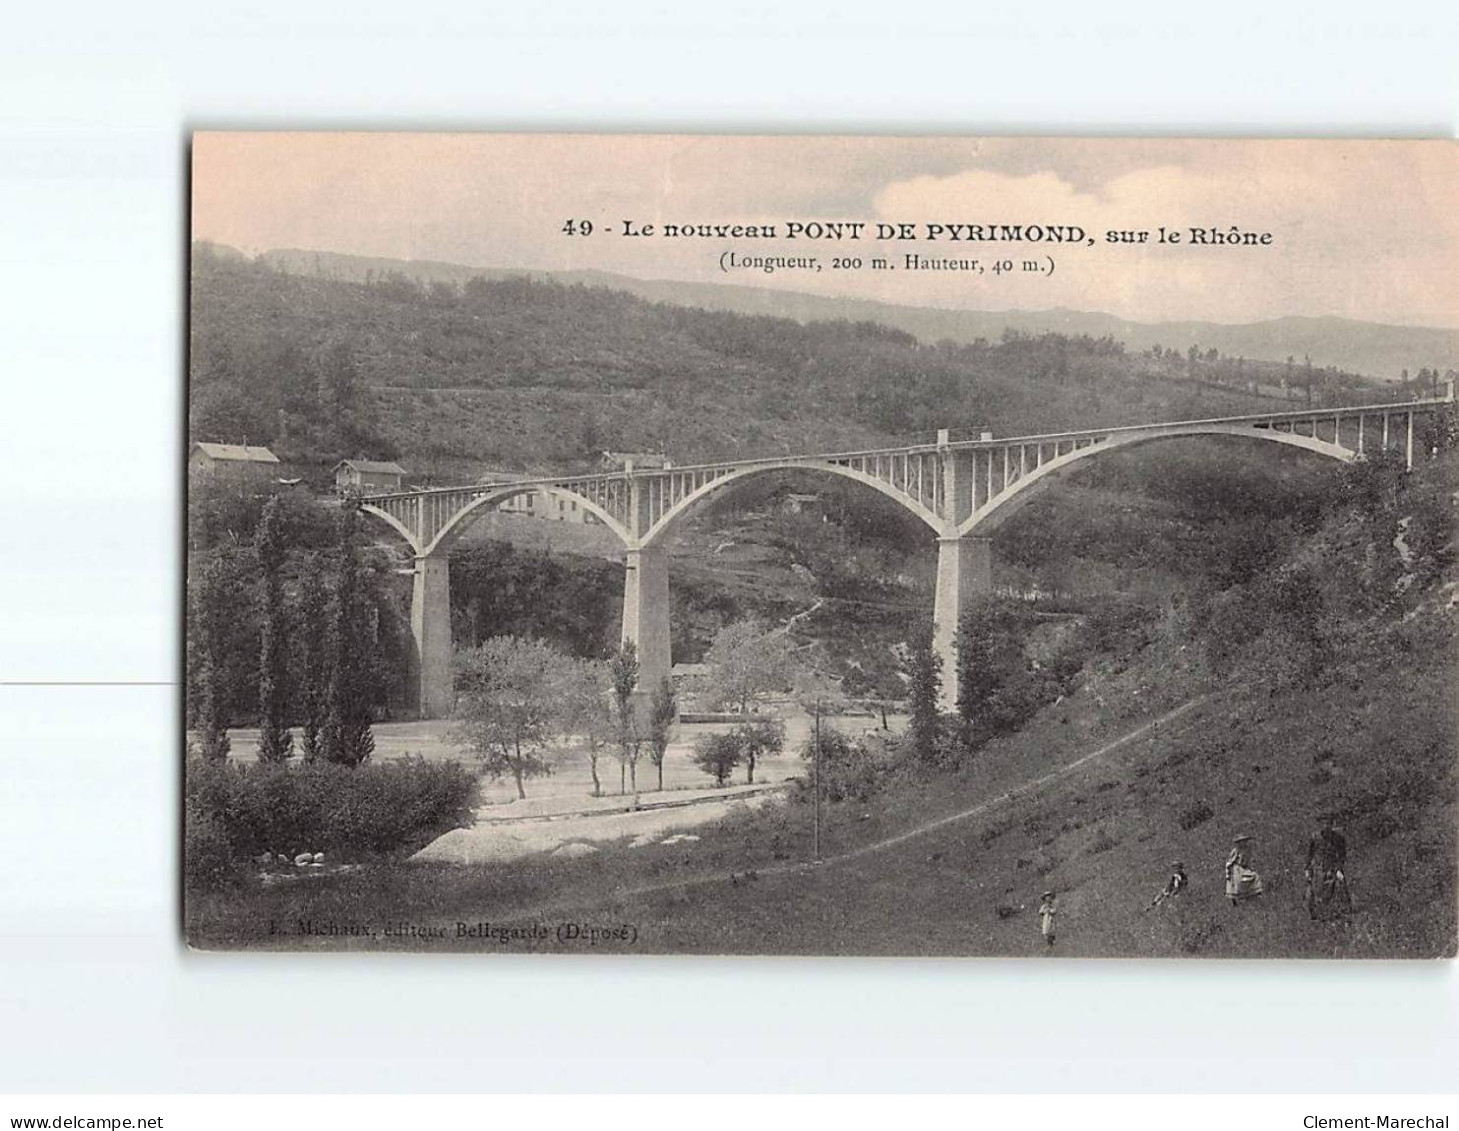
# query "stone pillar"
(958, 491)
(964, 567)
(430, 625)
(646, 612)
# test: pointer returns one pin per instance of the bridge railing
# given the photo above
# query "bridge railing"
(570, 482)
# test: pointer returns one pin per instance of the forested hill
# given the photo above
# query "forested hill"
(1383, 351)
(455, 377)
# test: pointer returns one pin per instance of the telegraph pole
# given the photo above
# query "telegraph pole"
(816, 845)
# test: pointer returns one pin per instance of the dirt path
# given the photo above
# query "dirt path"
(982, 807)
(820, 603)
(1017, 791)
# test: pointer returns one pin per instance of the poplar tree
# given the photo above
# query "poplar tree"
(623, 671)
(313, 681)
(346, 737)
(663, 714)
(924, 667)
(582, 709)
(211, 720)
(275, 743)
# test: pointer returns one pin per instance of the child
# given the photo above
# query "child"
(1173, 887)
(1242, 881)
(1046, 917)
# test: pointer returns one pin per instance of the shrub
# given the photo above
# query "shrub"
(206, 856)
(1197, 814)
(848, 768)
(1118, 628)
(235, 812)
(718, 755)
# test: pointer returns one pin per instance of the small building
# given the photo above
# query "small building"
(642, 460)
(798, 503)
(367, 476)
(207, 460)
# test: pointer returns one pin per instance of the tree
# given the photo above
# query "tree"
(989, 652)
(924, 667)
(718, 755)
(338, 381)
(210, 712)
(275, 743)
(877, 680)
(313, 669)
(759, 738)
(508, 698)
(583, 706)
(346, 737)
(847, 769)
(623, 671)
(663, 714)
(745, 662)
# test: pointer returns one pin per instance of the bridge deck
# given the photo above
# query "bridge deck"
(1255, 420)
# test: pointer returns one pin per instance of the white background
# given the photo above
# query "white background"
(95, 103)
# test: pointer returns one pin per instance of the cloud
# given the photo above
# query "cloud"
(1360, 229)
(1357, 230)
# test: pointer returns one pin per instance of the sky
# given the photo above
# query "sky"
(1359, 229)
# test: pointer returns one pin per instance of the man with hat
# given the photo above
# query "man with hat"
(1242, 882)
(1327, 857)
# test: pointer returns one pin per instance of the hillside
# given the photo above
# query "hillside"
(1363, 347)
(539, 376)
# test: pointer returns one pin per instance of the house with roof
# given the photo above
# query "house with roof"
(367, 476)
(640, 460)
(212, 461)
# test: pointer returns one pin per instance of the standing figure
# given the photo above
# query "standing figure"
(1327, 882)
(1242, 883)
(1173, 886)
(1047, 911)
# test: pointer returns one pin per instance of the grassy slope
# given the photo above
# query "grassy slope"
(1375, 738)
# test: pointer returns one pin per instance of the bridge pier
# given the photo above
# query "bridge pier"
(646, 612)
(430, 628)
(964, 568)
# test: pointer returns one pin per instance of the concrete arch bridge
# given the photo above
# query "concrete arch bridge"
(962, 490)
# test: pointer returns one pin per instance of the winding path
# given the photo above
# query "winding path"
(892, 841)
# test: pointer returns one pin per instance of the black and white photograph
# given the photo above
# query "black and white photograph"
(821, 545)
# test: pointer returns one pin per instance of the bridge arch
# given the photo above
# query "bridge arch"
(456, 525)
(1003, 506)
(660, 530)
(394, 523)
(463, 518)
(430, 603)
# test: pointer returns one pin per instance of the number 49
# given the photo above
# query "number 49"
(578, 228)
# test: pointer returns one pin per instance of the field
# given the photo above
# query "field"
(570, 785)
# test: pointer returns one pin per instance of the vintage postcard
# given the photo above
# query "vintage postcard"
(822, 545)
